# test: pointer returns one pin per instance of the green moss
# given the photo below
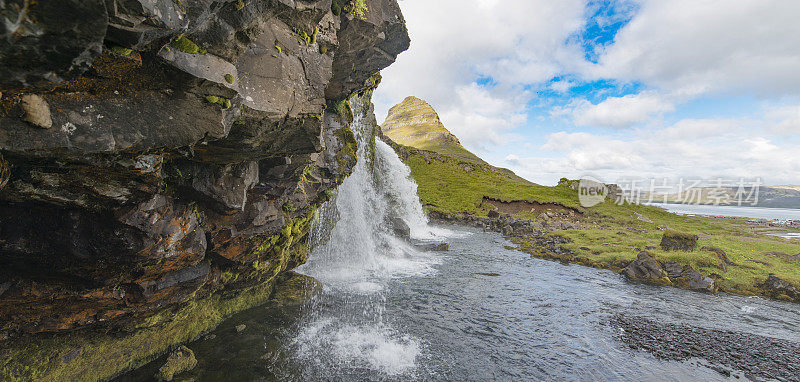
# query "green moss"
(223, 102)
(239, 5)
(279, 49)
(183, 44)
(342, 109)
(323, 49)
(121, 51)
(346, 157)
(314, 36)
(336, 8)
(179, 361)
(358, 8)
(289, 207)
(229, 78)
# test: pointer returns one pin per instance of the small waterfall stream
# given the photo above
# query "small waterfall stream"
(355, 252)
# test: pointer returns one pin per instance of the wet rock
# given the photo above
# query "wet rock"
(37, 111)
(179, 361)
(507, 230)
(160, 180)
(293, 289)
(399, 227)
(228, 185)
(676, 241)
(493, 214)
(490, 274)
(646, 269)
(758, 356)
(432, 247)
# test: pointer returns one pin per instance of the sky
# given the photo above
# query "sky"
(618, 89)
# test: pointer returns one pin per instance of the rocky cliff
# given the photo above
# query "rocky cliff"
(160, 161)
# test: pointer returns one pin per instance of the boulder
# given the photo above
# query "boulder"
(400, 227)
(778, 288)
(493, 214)
(687, 277)
(646, 269)
(677, 241)
(432, 247)
(182, 359)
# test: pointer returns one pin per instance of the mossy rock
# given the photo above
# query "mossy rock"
(179, 361)
(183, 44)
(678, 241)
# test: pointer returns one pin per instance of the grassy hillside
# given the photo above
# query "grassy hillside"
(608, 234)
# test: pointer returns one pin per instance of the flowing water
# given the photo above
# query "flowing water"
(479, 312)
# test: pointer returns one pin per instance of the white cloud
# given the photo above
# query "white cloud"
(694, 47)
(700, 148)
(515, 42)
(784, 119)
(620, 112)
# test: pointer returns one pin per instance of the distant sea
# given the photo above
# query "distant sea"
(731, 211)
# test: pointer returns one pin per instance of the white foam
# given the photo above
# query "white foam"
(378, 347)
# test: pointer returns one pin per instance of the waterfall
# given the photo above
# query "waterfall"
(344, 328)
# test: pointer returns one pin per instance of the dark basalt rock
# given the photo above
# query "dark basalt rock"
(687, 277)
(49, 39)
(189, 145)
(646, 269)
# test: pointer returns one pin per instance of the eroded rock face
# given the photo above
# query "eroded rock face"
(677, 241)
(189, 144)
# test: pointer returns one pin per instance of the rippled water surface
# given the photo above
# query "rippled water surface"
(536, 320)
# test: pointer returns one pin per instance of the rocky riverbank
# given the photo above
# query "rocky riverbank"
(539, 238)
(752, 356)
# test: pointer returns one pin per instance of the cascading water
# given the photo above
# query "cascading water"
(345, 330)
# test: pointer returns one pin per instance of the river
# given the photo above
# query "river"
(435, 317)
(481, 311)
(731, 211)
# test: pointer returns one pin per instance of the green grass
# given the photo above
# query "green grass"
(446, 187)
